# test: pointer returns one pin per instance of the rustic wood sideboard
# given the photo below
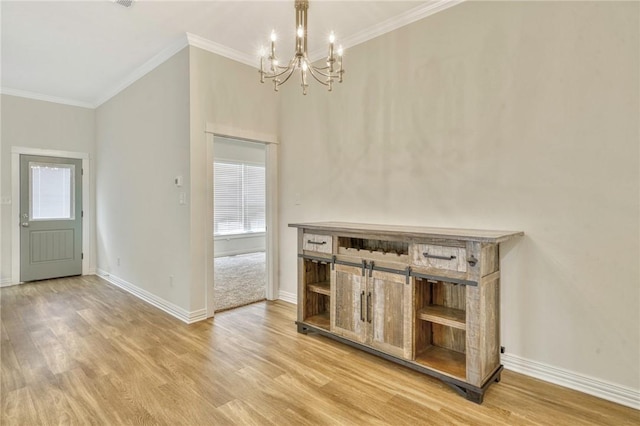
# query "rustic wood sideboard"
(426, 298)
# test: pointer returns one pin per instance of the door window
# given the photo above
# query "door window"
(51, 191)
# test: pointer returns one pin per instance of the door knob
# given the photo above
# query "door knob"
(25, 224)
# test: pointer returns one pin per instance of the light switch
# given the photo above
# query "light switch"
(178, 181)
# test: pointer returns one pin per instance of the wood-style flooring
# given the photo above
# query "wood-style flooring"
(80, 351)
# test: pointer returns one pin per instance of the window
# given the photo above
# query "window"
(51, 191)
(239, 198)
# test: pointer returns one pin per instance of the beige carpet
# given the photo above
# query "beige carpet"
(239, 280)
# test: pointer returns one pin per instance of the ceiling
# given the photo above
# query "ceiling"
(84, 52)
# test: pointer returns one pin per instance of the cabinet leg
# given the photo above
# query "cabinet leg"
(302, 329)
(498, 378)
(475, 396)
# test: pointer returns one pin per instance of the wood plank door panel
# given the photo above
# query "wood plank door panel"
(390, 317)
(348, 298)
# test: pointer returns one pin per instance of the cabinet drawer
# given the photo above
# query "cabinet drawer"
(318, 243)
(440, 257)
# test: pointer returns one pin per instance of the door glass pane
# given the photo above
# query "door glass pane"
(51, 191)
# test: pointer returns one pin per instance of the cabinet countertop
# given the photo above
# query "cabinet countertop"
(480, 235)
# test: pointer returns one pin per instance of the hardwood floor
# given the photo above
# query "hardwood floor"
(80, 351)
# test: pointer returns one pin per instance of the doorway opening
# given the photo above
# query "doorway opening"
(239, 222)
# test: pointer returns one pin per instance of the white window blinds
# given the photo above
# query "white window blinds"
(238, 198)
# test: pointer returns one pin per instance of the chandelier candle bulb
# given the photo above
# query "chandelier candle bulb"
(273, 44)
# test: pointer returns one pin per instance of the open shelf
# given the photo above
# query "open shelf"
(444, 360)
(442, 315)
(440, 329)
(320, 320)
(322, 287)
(317, 293)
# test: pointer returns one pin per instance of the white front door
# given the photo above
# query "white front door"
(50, 217)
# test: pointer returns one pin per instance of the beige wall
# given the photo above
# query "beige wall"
(225, 95)
(142, 137)
(517, 116)
(147, 135)
(42, 125)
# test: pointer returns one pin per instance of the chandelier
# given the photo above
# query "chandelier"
(279, 74)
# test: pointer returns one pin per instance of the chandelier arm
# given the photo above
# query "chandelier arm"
(291, 70)
(284, 69)
(328, 75)
(313, 74)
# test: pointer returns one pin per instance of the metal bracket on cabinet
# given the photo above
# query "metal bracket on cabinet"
(446, 279)
(370, 267)
(407, 272)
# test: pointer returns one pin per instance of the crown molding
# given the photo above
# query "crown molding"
(189, 39)
(47, 98)
(143, 69)
(390, 24)
(222, 50)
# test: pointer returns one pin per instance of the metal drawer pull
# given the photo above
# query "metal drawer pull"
(362, 306)
(369, 307)
(316, 242)
(433, 256)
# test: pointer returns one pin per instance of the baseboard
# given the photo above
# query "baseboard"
(611, 392)
(288, 297)
(227, 253)
(152, 299)
(7, 282)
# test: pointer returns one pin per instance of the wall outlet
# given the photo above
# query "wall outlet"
(5, 200)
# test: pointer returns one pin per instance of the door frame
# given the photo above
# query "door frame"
(16, 151)
(271, 213)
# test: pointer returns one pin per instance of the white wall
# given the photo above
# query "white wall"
(242, 152)
(497, 115)
(42, 125)
(142, 139)
(226, 95)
